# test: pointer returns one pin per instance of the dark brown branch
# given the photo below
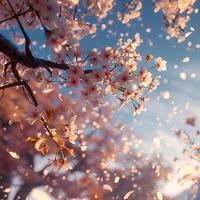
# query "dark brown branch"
(24, 191)
(51, 135)
(27, 60)
(12, 17)
(75, 11)
(25, 84)
(21, 7)
(28, 88)
(60, 11)
(11, 51)
(12, 85)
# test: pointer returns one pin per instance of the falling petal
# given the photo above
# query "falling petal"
(107, 187)
(47, 90)
(166, 95)
(7, 190)
(13, 154)
(159, 196)
(128, 194)
(183, 76)
(156, 141)
(186, 59)
(117, 178)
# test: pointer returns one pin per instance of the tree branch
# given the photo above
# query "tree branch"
(11, 51)
(25, 84)
(12, 85)
(27, 60)
(24, 191)
(12, 17)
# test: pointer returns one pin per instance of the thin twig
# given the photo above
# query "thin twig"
(27, 39)
(75, 11)
(11, 51)
(25, 84)
(12, 17)
(12, 85)
(51, 135)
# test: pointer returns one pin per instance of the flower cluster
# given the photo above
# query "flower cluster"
(189, 170)
(115, 71)
(176, 15)
(134, 11)
(57, 18)
(98, 8)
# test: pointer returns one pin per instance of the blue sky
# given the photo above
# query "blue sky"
(181, 91)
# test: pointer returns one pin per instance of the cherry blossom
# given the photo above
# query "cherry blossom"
(176, 15)
(160, 64)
